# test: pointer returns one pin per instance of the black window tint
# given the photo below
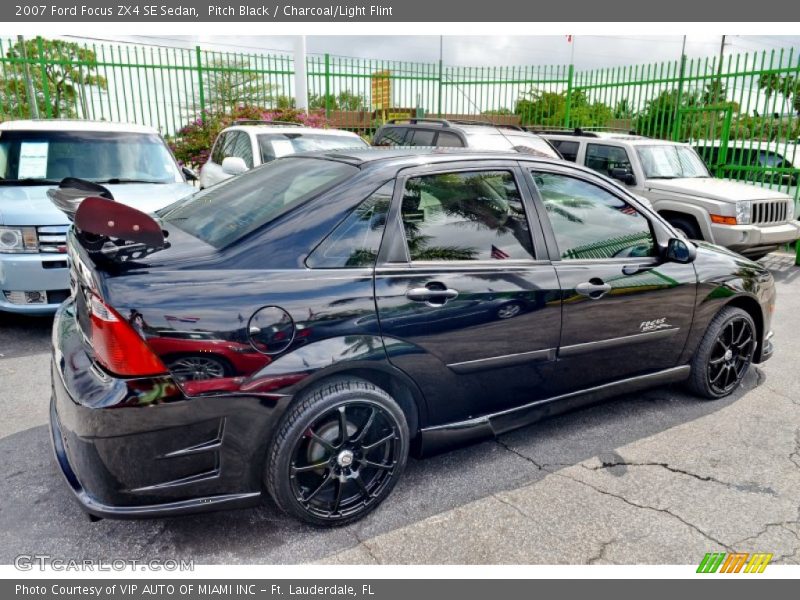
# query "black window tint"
(356, 240)
(230, 144)
(603, 158)
(447, 139)
(228, 211)
(590, 222)
(569, 150)
(391, 136)
(476, 215)
(217, 154)
(422, 137)
(243, 148)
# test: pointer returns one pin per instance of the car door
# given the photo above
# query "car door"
(211, 172)
(625, 311)
(468, 302)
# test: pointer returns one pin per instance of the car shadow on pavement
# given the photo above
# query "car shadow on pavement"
(39, 514)
(21, 335)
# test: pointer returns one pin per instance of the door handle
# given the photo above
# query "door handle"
(594, 288)
(433, 294)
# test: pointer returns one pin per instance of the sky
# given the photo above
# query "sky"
(590, 51)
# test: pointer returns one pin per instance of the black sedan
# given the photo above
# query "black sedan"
(403, 301)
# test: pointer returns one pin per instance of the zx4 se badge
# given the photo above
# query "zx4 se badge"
(654, 325)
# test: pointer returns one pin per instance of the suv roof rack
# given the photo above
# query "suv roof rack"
(415, 120)
(579, 131)
(487, 124)
(265, 122)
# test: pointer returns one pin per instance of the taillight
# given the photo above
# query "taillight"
(117, 345)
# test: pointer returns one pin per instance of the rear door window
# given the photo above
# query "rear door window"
(392, 136)
(470, 215)
(603, 158)
(448, 139)
(568, 149)
(422, 137)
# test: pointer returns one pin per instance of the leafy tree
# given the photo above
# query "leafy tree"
(344, 100)
(70, 75)
(228, 85)
(536, 107)
(657, 119)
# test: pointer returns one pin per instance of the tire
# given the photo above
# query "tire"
(688, 227)
(319, 476)
(724, 354)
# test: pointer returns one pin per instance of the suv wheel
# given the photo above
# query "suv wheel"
(724, 354)
(337, 453)
(687, 227)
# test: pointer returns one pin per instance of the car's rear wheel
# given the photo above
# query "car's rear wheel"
(338, 452)
(724, 354)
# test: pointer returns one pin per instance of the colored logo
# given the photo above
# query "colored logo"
(740, 562)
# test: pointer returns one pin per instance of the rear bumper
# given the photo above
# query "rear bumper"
(125, 452)
(33, 273)
(749, 239)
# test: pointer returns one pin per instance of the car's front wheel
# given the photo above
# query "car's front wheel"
(724, 354)
(338, 452)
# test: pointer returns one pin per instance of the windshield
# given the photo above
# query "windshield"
(671, 162)
(100, 156)
(228, 211)
(275, 145)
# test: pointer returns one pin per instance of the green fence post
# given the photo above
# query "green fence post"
(676, 117)
(45, 85)
(201, 92)
(439, 111)
(570, 75)
(327, 86)
(723, 148)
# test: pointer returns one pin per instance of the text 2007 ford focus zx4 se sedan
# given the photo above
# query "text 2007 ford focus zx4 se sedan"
(299, 330)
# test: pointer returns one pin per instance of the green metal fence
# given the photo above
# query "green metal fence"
(741, 113)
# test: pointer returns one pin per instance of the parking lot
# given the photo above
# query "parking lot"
(656, 477)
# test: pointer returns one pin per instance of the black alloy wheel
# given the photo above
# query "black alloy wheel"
(339, 453)
(724, 354)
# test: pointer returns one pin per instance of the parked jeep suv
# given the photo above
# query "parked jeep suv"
(132, 161)
(746, 218)
(478, 135)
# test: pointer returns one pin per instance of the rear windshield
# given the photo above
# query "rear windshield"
(101, 156)
(275, 145)
(230, 210)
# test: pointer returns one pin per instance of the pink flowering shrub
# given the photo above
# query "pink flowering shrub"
(192, 143)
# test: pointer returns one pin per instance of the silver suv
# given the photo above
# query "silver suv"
(746, 218)
(444, 133)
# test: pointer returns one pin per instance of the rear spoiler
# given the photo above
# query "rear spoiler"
(105, 228)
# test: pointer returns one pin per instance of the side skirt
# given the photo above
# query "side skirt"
(441, 437)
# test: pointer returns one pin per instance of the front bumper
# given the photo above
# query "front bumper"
(753, 238)
(33, 272)
(125, 455)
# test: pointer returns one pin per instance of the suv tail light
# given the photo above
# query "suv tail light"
(117, 345)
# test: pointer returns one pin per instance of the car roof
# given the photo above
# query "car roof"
(419, 155)
(634, 140)
(267, 128)
(466, 126)
(74, 125)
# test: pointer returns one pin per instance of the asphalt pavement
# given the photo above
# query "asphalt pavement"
(655, 477)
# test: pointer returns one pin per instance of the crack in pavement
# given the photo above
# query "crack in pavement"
(366, 546)
(543, 467)
(739, 487)
(601, 553)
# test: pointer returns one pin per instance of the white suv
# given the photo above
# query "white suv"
(746, 218)
(248, 144)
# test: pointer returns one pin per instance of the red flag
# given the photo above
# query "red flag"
(569, 39)
(499, 254)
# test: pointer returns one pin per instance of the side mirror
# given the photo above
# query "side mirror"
(680, 251)
(189, 174)
(624, 175)
(234, 165)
